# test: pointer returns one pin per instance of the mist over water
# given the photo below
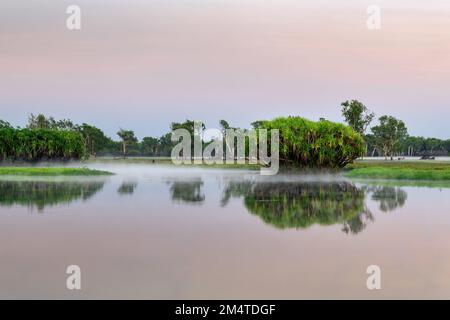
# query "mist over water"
(154, 231)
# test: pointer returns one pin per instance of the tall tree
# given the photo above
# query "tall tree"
(149, 146)
(94, 138)
(165, 145)
(357, 115)
(39, 122)
(5, 124)
(128, 138)
(195, 132)
(42, 122)
(388, 135)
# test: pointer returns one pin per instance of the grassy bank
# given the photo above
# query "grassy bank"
(168, 162)
(50, 171)
(399, 170)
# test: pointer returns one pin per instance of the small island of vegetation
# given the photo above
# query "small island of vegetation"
(50, 171)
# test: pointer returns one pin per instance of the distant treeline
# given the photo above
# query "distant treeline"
(301, 141)
(45, 138)
(413, 146)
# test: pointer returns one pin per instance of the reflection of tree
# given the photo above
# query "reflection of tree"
(127, 188)
(42, 194)
(359, 222)
(390, 198)
(187, 191)
(300, 204)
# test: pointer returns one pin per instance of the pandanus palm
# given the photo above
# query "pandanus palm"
(322, 144)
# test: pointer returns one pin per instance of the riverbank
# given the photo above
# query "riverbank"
(361, 169)
(399, 170)
(50, 171)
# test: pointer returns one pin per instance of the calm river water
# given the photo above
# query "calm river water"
(180, 233)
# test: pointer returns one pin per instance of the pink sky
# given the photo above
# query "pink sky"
(142, 64)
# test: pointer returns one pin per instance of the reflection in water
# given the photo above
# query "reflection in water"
(300, 205)
(41, 194)
(189, 191)
(390, 198)
(303, 204)
(127, 188)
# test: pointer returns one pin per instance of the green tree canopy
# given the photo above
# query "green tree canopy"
(357, 115)
(4, 124)
(94, 138)
(388, 135)
(149, 146)
(128, 138)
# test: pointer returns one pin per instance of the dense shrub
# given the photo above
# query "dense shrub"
(40, 144)
(322, 144)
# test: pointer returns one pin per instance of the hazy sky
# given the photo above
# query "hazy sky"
(141, 64)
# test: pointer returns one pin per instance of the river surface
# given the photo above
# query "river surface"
(156, 232)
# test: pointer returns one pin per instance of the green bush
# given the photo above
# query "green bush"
(40, 144)
(322, 144)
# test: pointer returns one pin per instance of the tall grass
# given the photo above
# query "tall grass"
(51, 171)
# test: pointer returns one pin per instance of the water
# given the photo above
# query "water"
(177, 233)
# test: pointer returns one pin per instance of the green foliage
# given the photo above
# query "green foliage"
(4, 124)
(94, 139)
(40, 144)
(400, 173)
(357, 115)
(420, 146)
(42, 122)
(50, 171)
(400, 170)
(388, 135)
(322, 144)
(149, 146)
(128, 139)
(189, 125)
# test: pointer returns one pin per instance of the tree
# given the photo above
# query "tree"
(165, 145)
(39, 122)
(94, 138)
(224, 125)
(149, 146)
(128, 138)
(5, 124)
(195, 132)
(388, 135)
(42, 122)
(357, 115)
